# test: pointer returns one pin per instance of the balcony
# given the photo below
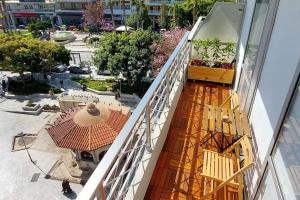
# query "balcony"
(157, 155)
(177, 172)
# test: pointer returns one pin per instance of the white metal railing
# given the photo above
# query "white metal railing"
(113, 175)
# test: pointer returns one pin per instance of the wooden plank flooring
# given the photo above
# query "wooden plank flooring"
(177, 172)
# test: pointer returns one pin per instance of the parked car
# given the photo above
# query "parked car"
(78, 70)
(60, 68)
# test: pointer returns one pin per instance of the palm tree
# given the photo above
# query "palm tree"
(111, 4)
(194, 5)
(124, 20)
(175, 6)
(3, 15)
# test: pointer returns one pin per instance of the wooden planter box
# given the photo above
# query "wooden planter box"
(204, 73)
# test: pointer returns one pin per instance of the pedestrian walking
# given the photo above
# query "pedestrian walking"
(66, 186)
(3, 85)
(61, 83)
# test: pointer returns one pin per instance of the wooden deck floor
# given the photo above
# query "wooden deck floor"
(177, 172)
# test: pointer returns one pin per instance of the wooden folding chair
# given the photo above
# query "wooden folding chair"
(234, 101)
(227, 169)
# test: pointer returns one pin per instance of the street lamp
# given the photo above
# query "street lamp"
(121, 78)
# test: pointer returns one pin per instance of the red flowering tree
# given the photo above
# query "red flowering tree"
(93, 15)
(107, 25)
(165, 47)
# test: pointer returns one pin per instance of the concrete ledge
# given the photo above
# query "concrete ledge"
(36, 112)
(34, 108)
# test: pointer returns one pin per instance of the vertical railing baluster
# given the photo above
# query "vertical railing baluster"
(167, 76)
(102, 191)
(148, 127)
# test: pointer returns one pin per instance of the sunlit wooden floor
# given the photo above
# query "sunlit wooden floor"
(177, 172)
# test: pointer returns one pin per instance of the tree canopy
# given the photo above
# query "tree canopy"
(94, 15)
(130, 54)
(37, 25)
(21, 54)
(164, 21)
(139, 19)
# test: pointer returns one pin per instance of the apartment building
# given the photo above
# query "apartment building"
(70, 12)
(268, 86)
(22, 12)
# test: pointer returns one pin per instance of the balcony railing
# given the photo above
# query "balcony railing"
(115, 173)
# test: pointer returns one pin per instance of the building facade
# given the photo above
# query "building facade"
(69, 12)
(24, 11)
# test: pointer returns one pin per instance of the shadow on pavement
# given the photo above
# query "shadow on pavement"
(71, 195)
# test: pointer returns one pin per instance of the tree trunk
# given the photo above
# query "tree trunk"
(174, 15)
(4, 14)
(124, 20)
(194, 15)
(112, 13)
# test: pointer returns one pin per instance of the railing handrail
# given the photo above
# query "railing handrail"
(103, 167)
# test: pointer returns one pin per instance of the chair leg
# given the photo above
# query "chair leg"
(241, 187)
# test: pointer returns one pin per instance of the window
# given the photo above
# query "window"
(101, 155)
(62, 5)
(73, 5)
(286, 154)
(267, 189)
(252, 48)
(86, 156)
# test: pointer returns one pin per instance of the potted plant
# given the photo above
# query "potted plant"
(213, 63)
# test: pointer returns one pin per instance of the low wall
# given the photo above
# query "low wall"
(145, 170)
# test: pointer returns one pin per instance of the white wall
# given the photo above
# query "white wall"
(276, 78)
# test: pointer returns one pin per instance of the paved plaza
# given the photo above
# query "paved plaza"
(16, 169)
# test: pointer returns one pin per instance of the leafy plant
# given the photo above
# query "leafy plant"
(228, 50)
(30, 103)
(217, 51)
(202, 47)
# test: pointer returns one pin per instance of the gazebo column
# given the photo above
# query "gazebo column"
(95, 157)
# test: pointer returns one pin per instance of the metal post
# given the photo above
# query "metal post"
(102, 191)
(168, 87)
(148, 128)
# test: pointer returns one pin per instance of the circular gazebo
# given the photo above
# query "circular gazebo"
(88, 131)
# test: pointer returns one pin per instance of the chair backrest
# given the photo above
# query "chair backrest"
(244, 145)
(234, 101)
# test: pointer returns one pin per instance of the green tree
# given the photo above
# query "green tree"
(130, 54)
(21, 54)
(180, 17)
(37, 25)
(139, 19)
(164, 21)
(111, 8)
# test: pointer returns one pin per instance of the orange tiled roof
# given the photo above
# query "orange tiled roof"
(67, 134)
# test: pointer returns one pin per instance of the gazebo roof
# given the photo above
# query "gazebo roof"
(89, 128)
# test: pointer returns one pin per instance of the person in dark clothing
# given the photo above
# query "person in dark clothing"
(3, 85)
(66, 186)
(61, 83)
(83, 87)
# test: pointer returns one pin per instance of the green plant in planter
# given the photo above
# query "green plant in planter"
(30, 103)
(202, 46)
(228, 51)
(216, 48)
